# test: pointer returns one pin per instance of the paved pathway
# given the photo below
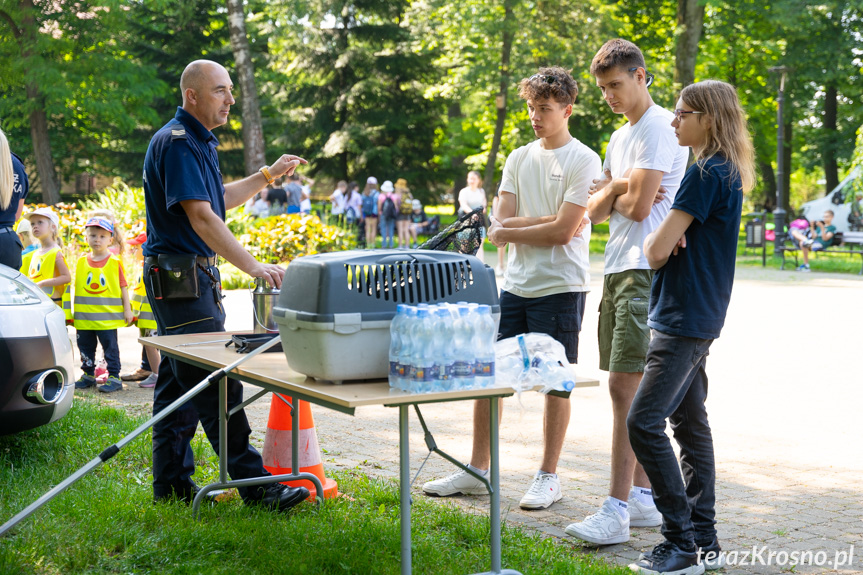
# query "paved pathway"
(786, 405)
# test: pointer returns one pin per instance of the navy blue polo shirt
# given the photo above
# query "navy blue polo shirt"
(690, 293)
(181, 164)
(20, 189)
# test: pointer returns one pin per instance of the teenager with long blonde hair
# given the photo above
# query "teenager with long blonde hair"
(693, 251)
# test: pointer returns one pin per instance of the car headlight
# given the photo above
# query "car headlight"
(18, 291)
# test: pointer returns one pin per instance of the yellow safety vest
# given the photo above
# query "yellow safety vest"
(141, 306)
(40, 268)
(98, 299)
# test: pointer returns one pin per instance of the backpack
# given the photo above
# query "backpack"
(388, 209)
(406, 208)
(370, 205)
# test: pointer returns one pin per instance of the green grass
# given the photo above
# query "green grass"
(107, 523)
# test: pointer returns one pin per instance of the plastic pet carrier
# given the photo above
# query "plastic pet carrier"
(334, 309)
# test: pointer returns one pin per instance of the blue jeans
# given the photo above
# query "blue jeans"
(87, 341)
(388, 226)
(674, 387)
(173, 459)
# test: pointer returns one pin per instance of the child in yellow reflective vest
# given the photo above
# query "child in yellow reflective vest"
(100, 305)
(147, 374)
(46, 266)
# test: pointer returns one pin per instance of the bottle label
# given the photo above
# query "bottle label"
(462, 369)
(403, 370)
(422, 373)
(443, 372)
(394, 369)
(485, 369)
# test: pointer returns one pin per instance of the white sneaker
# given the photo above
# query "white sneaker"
(605, 527)
(544, 491)
(641, 515)
(459, 482)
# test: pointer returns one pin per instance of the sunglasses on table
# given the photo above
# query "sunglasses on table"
(680, 113)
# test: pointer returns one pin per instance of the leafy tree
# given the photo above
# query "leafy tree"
(66, 79)
(353, 94)
(823, 50)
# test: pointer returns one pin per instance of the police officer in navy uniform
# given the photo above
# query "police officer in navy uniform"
(10, 245)
(186, 202)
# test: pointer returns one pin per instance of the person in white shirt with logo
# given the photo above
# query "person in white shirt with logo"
(543, 199)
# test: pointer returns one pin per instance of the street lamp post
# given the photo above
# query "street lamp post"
(779, 213)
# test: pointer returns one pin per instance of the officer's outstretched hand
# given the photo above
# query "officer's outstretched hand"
(286, 165)
(271, 272)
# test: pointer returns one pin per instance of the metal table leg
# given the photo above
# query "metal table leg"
(405, 489)
(494, 512)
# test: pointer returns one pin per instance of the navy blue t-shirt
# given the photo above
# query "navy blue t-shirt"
(181, 164)
(690, 293)
(20, 189)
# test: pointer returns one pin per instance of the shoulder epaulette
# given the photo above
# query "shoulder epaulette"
(178, 133)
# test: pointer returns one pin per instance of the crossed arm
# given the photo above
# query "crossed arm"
(667, 239)
(554, 230)
(632, 196)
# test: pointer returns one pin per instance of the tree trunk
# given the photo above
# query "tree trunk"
(786, 176)
(48, 182)
(500, 99)
(254, 152)
(457, 162)
(768, 176)
(831, 135)
(690, 20)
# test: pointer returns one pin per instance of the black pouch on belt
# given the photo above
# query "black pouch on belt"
(178, 276)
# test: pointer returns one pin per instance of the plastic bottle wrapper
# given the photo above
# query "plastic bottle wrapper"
(532, 359)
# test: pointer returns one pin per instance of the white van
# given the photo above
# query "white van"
(835, 201)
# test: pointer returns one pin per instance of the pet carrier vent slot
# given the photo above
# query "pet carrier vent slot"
(409, 282)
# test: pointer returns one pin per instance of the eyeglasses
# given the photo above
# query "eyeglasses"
(548, 79)
(679, 113)
(647, 75)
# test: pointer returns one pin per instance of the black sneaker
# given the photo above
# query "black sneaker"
(668, 559)
(280, 497)
(711, 555)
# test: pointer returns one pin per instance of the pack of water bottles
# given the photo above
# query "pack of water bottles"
(444, 347)
(532, 360)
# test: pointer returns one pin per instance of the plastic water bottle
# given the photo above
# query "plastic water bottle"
(406, 347)
(422, 354)
(553, 375)
(396, 328)
(484, 339)
(463, 360)
(443, 352)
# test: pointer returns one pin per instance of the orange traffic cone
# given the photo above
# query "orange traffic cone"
(277, 446)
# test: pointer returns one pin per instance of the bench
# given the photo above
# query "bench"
(843, 243)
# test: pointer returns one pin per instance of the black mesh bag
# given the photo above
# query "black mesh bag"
(463, 236)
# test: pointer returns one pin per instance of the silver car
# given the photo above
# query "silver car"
(36, 367)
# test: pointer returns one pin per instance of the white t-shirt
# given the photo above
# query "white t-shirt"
(472, 198)
(650, 144)
(338, 199)
(541, 181)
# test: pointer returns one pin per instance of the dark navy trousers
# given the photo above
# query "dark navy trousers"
(173, 459)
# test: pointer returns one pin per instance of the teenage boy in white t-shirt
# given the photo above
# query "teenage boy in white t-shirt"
(543, 199)
(643, 168)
